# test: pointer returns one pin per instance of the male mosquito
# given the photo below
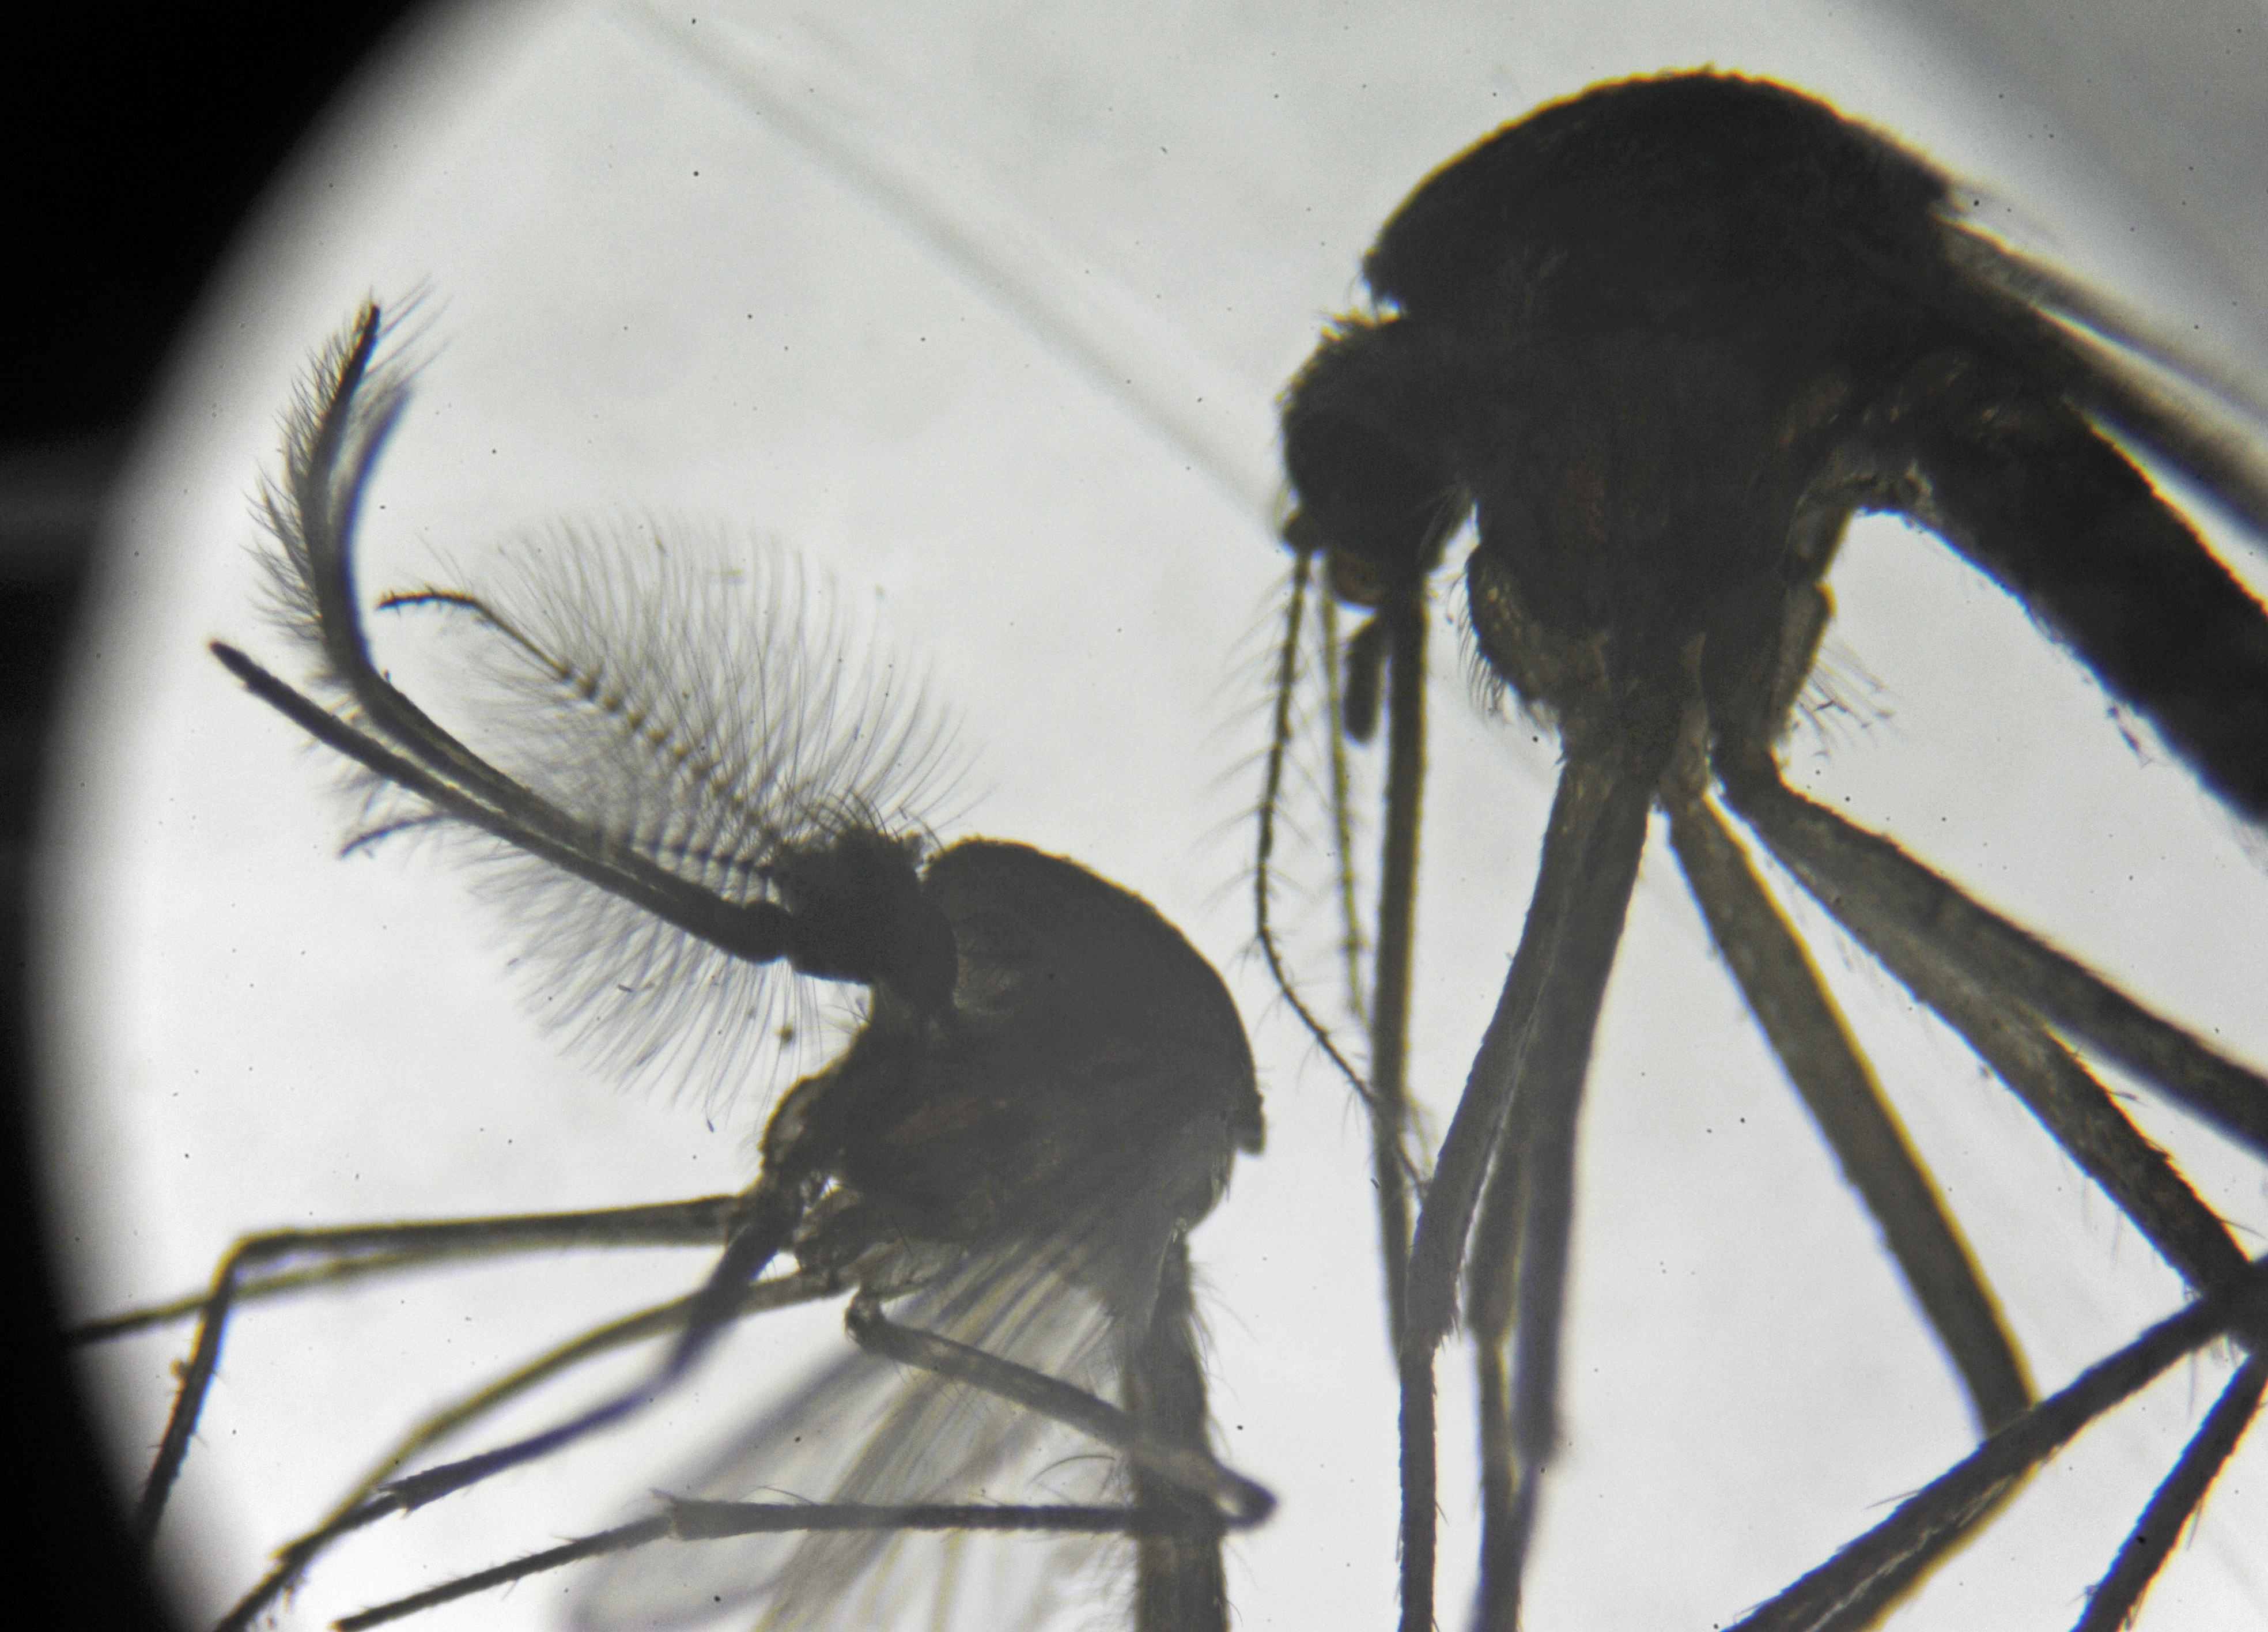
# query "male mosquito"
(1659, 343)
(1048, 1087)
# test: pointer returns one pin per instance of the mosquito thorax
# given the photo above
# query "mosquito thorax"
(1665, 202)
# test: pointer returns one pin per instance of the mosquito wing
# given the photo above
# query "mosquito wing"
(2113, 361)
(866, 1430)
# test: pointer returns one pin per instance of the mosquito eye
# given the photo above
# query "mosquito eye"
(859, 915)
(1367, 498)
(1356, 579)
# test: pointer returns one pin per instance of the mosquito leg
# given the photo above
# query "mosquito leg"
(1521, 1100)
(1386, 1095)
(616, 1540)
(1352, 943)
(700, 1222)
(1237, 1503)
(1784, 992)
(1178, 1586)
(1271, 804)
(1837, 860)
(261, 1289)
(782, 1292)
(1157, 1437)
(1866, 1575)
(1590, 860)
(1420, 1474)
(1491, 1302)
(1843, 1593)
(1526, 1227)
(764, 1218)
(436, 1242)
(2119, 1593)
(2061, 1092)
(1397, 922)
(717, 1521)
(2073, 1105)
(356, 1509)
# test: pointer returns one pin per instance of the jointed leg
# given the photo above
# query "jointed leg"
(361, 1506)
(1837, 860)
(1182, 1470)
(1179, 1583)
(1397, 927)
(1986, 979)
(1970, 966)
(1520, 1108)
(1784, 992)
(1401, 629)
(762, 1219)
(2119, 1593)
(1868, 1574)
(1271, 804)
(365, 1249)
(719, 1521)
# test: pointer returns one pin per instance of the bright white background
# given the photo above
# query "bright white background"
(656, 288)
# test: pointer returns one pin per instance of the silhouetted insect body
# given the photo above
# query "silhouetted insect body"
(1046, 1091)
(1660, 342)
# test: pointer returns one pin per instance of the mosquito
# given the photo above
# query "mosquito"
(1047, 1090)
(924, 205)
(1657, 345)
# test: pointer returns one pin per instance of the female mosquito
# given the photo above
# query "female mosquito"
(1659, 343)
(1047, 1090)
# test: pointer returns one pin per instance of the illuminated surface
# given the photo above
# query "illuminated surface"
(651, 295)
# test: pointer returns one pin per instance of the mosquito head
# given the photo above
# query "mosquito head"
(858, 914)
(1377, 490)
